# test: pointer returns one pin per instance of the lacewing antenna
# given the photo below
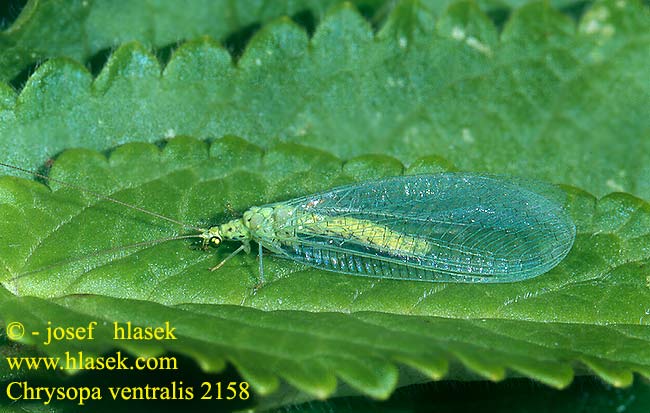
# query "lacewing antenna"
(101, 196)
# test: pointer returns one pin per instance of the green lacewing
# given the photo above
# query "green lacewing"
(447, 227)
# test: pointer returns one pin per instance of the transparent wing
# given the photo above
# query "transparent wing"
(445, 227)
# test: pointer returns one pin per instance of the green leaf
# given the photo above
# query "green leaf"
(514, 395)
(534, 100)
(81, 28)
(310, 328)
